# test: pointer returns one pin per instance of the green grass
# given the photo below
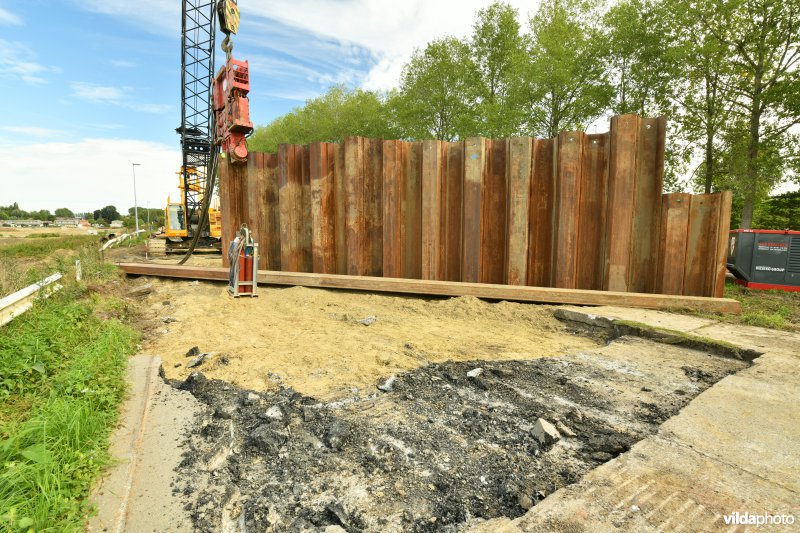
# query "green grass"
(767, 309)
(23, 264)
(39, 248)
(62, 370)
(46, 235)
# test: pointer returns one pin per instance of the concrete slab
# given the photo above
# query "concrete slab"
(734, 448)
(136, 494)
(653, 318)
(755, 338)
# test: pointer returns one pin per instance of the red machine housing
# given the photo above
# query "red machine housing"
(232, 109)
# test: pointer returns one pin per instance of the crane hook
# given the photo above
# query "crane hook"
(227, 46)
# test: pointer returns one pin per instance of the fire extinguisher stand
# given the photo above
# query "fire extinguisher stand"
(243, 255)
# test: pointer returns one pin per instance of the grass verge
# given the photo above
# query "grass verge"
(767, 309)
(62, 368)
(43, 247)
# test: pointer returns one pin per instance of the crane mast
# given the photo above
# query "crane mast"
(198, 31)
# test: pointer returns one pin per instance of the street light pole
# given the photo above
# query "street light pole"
(135, 202)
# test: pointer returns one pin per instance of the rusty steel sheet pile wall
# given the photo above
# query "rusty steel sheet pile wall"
(580, 211)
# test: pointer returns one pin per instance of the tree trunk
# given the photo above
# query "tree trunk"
(709, 160)
(751, 187)
(747, 211)
(709, 135)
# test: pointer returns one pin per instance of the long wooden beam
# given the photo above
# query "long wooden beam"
(448, 288)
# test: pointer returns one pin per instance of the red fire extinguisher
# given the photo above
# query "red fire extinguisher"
(243, 255)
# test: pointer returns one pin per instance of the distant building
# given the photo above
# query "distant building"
(27, 223)
(66, 222)
(116, 224)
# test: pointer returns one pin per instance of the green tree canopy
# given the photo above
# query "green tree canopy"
(107, 214)
(566, 83)
(761, 38)
(436, 96)
(331, 117)
(498, 54)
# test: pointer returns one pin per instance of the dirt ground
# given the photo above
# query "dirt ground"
(448, 446)
(20, 235)
(337, 410)
(333, 344)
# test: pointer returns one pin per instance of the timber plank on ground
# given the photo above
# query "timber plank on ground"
(447, 288)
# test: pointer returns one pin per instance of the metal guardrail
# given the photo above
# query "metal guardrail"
(117, 240)
(17, 303)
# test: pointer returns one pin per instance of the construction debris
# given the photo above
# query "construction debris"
(197, 361)
(368, 321)
(388, 385)
(545, 433)
(437, 447)
(141, 290)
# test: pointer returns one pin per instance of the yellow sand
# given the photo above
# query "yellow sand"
(310, 339)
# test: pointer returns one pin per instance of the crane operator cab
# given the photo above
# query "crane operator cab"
(175, 223)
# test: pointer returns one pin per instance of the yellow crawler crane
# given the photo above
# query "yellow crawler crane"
(176, 234)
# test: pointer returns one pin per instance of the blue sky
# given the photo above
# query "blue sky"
(90, 86)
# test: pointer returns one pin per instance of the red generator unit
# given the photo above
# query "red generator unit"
(765, 259)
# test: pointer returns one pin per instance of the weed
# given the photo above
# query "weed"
(46, 235)
(768, 309)
(44, 247)
(61, 381)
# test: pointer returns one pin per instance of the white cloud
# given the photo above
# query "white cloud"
(295, 96)
(17, 61)
(387, 30)
(87, 175)
(385, 75)
(7, 17)
(118, 96)
(97, 93)
(275, 67)
(32, 131)
(158, 16)
(122, 63)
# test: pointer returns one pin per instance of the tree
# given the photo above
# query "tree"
(703, 94)
(156, 217)
(63, 212)
(14, 212)
(779, 212)
(107, 214)
(643, 54)
(639, 70)
(436, 94)
(684, 70)
(762, 38)
(566, 85)
(734, 162)
(498, 52)
(331, 117)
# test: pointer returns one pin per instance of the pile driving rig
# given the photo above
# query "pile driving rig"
(215, 115)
